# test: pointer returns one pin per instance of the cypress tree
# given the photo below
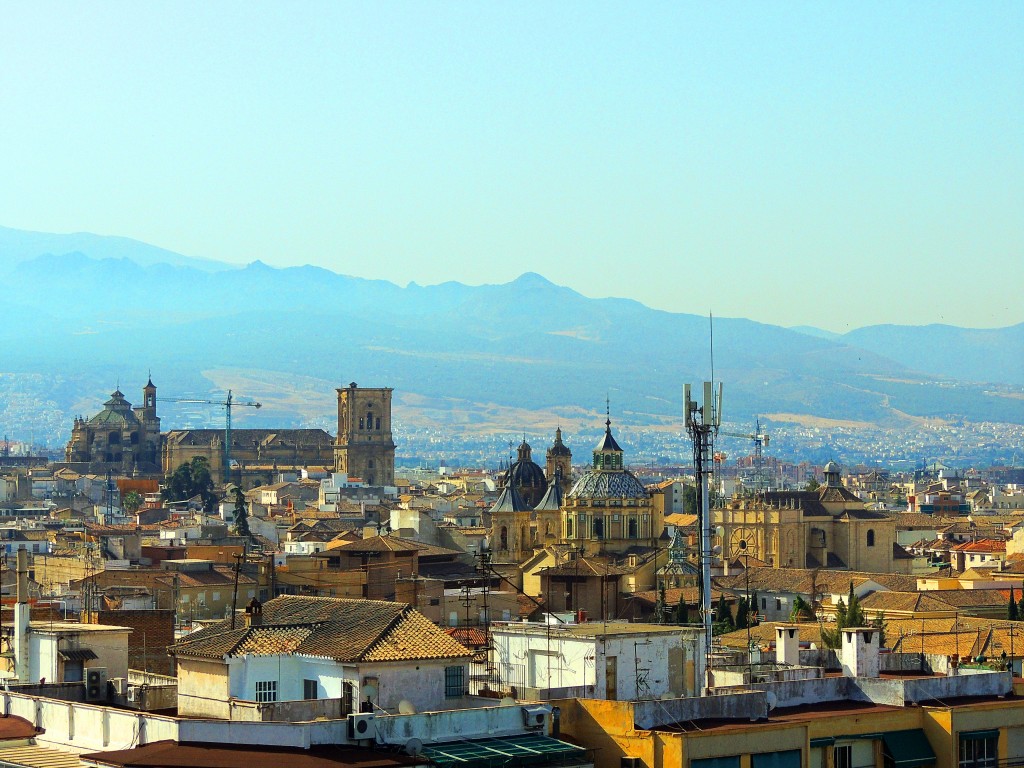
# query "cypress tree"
(742, 614)
(1012, 612)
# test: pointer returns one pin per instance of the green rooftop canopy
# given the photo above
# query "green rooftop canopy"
(908, 749)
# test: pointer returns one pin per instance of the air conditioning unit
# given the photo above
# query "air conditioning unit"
(133, 693)
(536, 716)
(96, 684)
(362, 725)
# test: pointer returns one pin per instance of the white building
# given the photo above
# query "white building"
(363, 652)
(603, 660)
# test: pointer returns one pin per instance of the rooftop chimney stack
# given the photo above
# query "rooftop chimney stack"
(787, 644)
(22, 613)
(859, 654)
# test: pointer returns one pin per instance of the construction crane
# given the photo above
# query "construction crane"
(226, 405)
(760, 441)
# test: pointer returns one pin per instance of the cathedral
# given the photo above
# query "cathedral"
(606, 511)
(121, 438)
(126, 440)
(827, 528)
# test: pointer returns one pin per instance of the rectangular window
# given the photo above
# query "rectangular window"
(979, 749)
(778, 604)
(842, 756)
(266, 691)
(454, 682)
(309, 689)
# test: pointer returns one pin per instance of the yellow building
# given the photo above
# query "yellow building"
(608, 510)
(827, 528)
(741, 730)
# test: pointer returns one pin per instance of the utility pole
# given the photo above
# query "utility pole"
(702, 424)
(467, 600)
(234, 596)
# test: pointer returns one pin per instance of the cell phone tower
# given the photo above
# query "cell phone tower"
(702, 424)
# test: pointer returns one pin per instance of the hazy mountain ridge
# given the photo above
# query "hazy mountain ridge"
(528, 343)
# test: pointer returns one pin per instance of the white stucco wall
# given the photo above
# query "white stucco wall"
(421, 683)
(568, 661)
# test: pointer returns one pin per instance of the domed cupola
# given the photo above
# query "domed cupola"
(608, 454)
(526, 475)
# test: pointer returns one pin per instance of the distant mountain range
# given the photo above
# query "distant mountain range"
(90, 310)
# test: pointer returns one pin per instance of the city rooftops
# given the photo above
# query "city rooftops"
(591, 629)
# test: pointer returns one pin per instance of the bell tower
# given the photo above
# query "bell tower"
(365, 447)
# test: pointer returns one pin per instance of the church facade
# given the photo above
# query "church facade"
(122, 438)
(827, 528)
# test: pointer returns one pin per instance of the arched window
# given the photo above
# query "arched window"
(114, 438)
(871, 537)
(632, 528)
(504, 537)
(598, 527)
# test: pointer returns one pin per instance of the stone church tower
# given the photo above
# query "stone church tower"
(365, 448)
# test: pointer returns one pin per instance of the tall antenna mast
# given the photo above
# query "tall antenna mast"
(702, 424)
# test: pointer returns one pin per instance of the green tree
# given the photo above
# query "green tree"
(241, 514)
(812, 485)
(801, 611)
(131, 502)
(190, 480)
(848, 614)
(742, 614)
(690, 500)
(723, 618)
(682, 611)
(879, 623)
(854, 615)
(1012, 609)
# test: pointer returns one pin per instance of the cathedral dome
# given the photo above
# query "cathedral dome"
(608, 484)
(608, 478)
(526, 473)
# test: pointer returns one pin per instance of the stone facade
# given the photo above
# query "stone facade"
(365, 447)
(121, 438)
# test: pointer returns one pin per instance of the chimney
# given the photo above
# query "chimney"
(787, 644)
(859, 653)
(22, 613)
(254, 613)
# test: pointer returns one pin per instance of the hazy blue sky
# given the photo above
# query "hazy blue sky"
(830, 164)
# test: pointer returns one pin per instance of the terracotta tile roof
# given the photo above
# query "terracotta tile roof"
(335, 628)
(585, 567)
(981, 545)
(907, 602)
(471, 637)
(798, 580)
(764, 635)
(973, 598)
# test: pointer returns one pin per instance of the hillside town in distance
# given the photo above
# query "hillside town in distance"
(236, 597)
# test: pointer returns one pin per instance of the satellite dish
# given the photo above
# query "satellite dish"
(405, 707)
(508, 701)
(773, 701)
(370, 691)
(413, 747)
